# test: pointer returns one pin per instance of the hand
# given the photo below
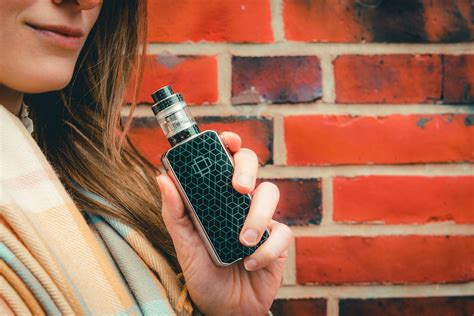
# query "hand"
(247, 288)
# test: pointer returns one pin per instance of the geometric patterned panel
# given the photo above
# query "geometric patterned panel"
(205, 171)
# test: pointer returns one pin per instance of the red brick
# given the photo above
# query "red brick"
(256, 133)
(288, 79)
(404, 199)
(300, 307)
(378, 21)
(458, 80)
(420, 306)
(147, 135)
(384, 259)
(449, 21)
(149, 139)
(195, 77)
(300, 201)
(212, 20)
(393, 139)
(388, 79)
(320, 21)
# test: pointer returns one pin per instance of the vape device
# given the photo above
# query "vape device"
(202, 168)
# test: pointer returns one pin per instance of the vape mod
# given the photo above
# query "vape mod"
(202, 169)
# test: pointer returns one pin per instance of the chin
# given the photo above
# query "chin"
(58, 83)
(44, 75)
(45, 87)
(47, 80)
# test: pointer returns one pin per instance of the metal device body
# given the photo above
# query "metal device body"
(202, 169)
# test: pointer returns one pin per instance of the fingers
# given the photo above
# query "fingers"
(276, 246)
(233, 140)
(264, 202)
(177, 222)
(245, 162)
(245, 170)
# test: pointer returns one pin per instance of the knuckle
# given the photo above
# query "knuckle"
(265, 255)
(284, 231)
(270, 254)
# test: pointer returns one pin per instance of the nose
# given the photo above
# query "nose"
(83, 4)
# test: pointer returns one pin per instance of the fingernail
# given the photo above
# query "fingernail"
(245, 180)
(250, 264)
(250, 236)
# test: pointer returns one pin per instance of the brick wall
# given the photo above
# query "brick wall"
(361, 111)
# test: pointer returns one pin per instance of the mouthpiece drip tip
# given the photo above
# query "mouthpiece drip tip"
(173, 115)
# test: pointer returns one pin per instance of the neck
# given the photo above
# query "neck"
(11, 99)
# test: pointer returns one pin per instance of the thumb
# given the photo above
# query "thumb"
(174, 215)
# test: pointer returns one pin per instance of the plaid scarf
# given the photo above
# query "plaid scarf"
(58, 260)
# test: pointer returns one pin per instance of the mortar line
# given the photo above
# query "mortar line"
(277, 21)
(224, 71)
(332, 306)
(289, 274)
(328, 79)
(379, 229)
(279, 146)
(376, 291)
(425, 170)
(372, 110)
(327, 201)
(288, 48)
(367, 109)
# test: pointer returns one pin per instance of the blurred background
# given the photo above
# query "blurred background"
(362, 112)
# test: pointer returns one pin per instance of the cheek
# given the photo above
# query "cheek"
(28, 65)
(91, 17)
(23, 65)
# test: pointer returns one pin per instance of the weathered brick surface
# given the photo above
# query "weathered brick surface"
(256, 133)
(293, 79)
(404, 199)
(300, 307)
(195, 77)
(410, 21)
(300, 201)
(345, 105)
(388, 79)
(147, 135)
(384, 259)
(420, 306)
(458, 80)
(393, 139)
(211, 20)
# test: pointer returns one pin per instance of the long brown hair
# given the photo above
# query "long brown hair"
(80, 129)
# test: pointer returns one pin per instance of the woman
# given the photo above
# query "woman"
(68, 63)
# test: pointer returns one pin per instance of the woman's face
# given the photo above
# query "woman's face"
(40, 41)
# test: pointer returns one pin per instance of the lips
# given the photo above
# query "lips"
(58, 29)
(62, 36)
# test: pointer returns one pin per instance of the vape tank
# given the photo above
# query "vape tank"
(202, 169)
